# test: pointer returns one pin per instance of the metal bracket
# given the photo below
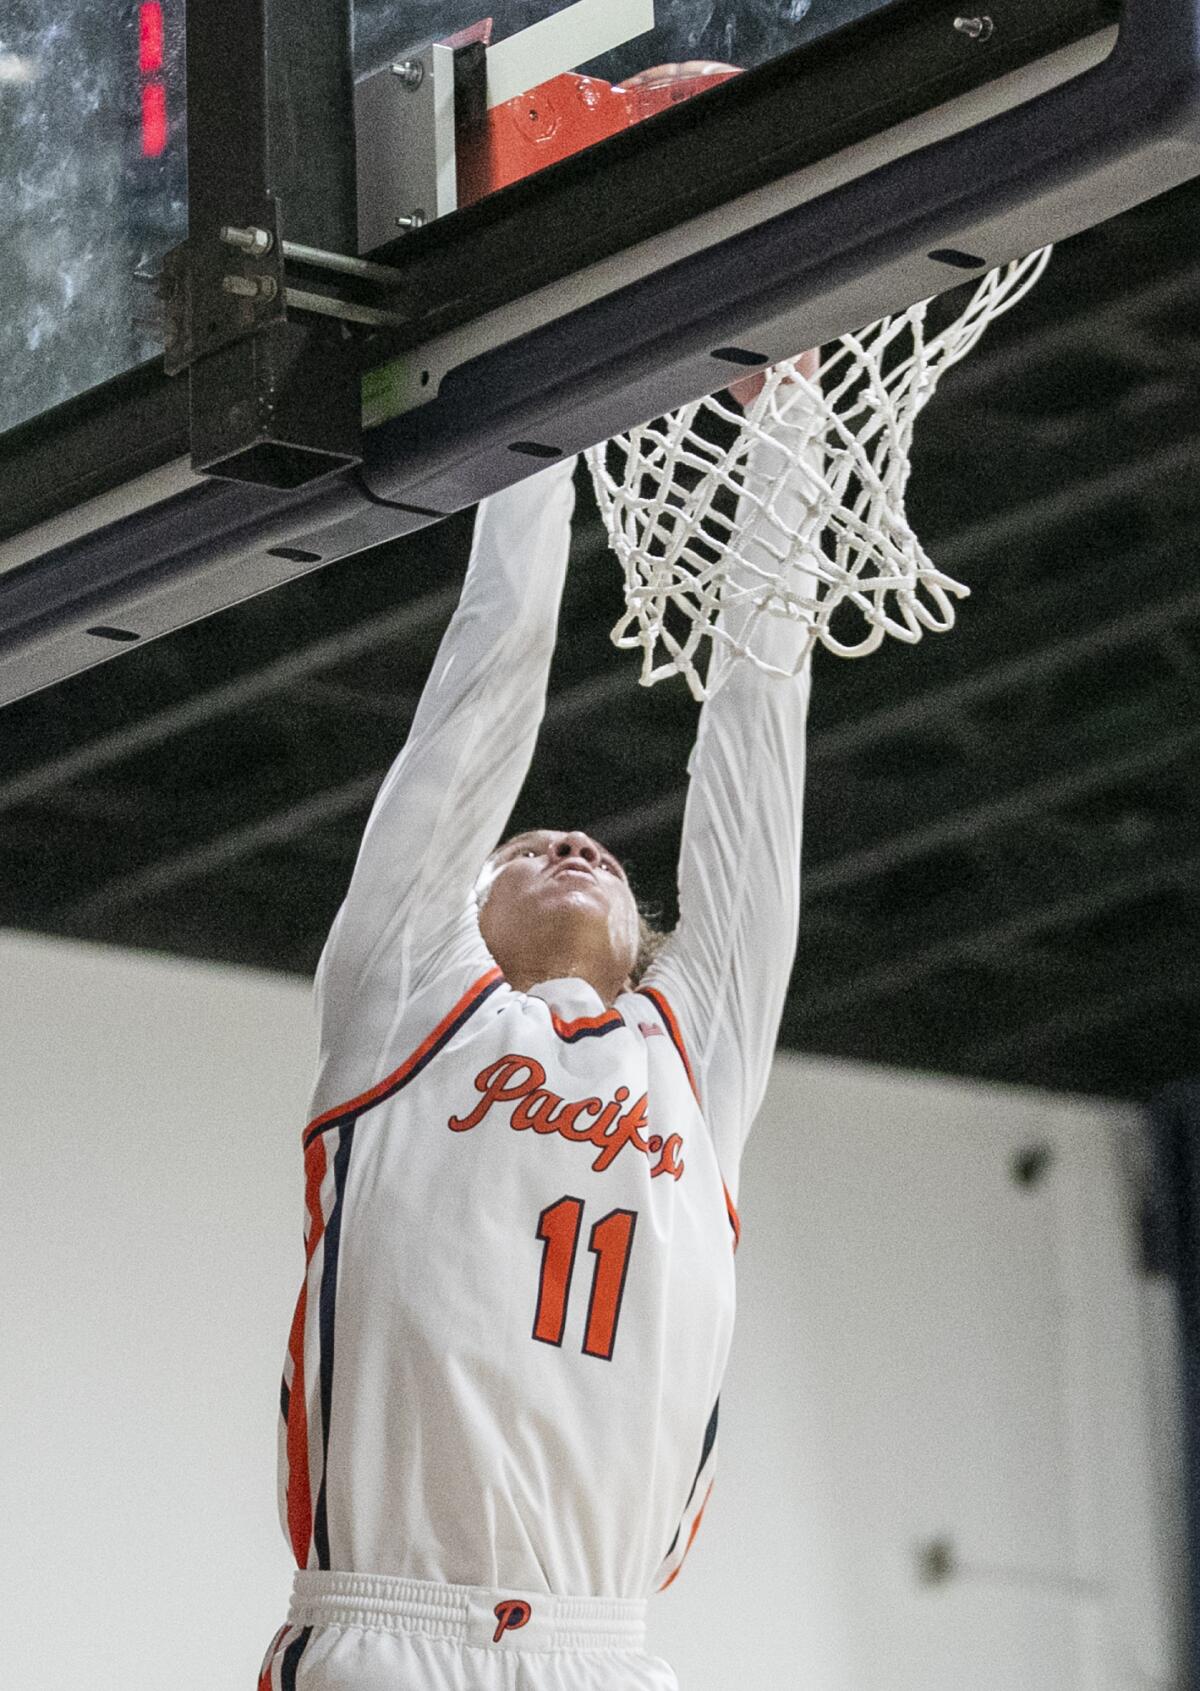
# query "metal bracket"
(205, 308)
(275, 399)
(404, 125)
(216, 291)
(273, 402)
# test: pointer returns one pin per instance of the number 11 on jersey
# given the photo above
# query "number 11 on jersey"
(610, 1242)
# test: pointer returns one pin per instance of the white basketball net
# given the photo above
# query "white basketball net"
(686, 511)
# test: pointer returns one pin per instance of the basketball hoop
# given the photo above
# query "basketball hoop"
(801, 515)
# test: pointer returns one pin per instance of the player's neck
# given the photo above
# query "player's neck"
(567, 962)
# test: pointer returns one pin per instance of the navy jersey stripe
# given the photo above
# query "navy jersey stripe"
(327, 1307)
(285, 1398)
(291, 1659)
(710, 1438)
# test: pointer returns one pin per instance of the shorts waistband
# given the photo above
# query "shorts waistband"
(467, 1614)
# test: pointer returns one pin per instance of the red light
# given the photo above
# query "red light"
(150, 37)
(154, 120)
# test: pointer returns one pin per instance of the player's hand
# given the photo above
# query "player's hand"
(658, 76)
(748, 389)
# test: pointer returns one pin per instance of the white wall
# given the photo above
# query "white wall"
(926, 1351)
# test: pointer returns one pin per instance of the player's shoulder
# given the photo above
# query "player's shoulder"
(378, 1040)
(657, 1002)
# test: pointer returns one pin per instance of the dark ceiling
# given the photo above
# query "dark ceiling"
(1003, 838)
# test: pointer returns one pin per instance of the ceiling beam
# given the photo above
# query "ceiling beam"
(996, 364)
(988, 943)
(406, 622)
(234, 844)
(972, 541)
(155, 880)
(1153, 622)
(848, 870)
(245, 691)
(997, 533)
(987, 534)
(1088, 1014)
(1007, 811)
(1150, 622)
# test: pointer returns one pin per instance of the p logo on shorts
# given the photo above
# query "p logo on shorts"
(510, 1615)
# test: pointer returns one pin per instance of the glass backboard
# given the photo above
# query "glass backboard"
(871, 155)
(741, 32)
(93, 137)
(94, 190)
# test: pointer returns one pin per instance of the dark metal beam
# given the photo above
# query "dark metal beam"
(414, 620)
(1087, 1014)
(329, 697)
(281, 826)
(407, 622)
(987, 943)
(1007, 811)
(994, 535)
(578, 703)
(623, 826)
(156, 879)
(996, 365)
(1042, 663)
(1148, 623)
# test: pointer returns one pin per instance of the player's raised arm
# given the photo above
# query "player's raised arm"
(725, 969)
(445, 800)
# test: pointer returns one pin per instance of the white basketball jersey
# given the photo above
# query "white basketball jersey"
(507, 1353)
(505, 1360)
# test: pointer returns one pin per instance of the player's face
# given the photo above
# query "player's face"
(549, 877)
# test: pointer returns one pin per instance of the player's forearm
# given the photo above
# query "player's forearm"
(730, 958)
(447, 797)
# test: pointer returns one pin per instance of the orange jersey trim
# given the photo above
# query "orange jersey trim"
(264, 1678)
(735, 1220)
(299, 1490)
(428, 1049)
(671, 1578)
(584, 1027)
(668, 1015)
(672, 1026)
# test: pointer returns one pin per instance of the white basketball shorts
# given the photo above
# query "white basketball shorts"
(372, 1632)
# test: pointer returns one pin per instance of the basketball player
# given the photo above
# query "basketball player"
(499, 1405)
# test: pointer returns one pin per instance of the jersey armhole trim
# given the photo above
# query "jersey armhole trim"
(675, 1034)
(672, 1026)
(450, 1024)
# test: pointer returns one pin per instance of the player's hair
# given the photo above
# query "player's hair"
(650, 942)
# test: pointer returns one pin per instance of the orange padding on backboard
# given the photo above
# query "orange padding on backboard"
(558, 118)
